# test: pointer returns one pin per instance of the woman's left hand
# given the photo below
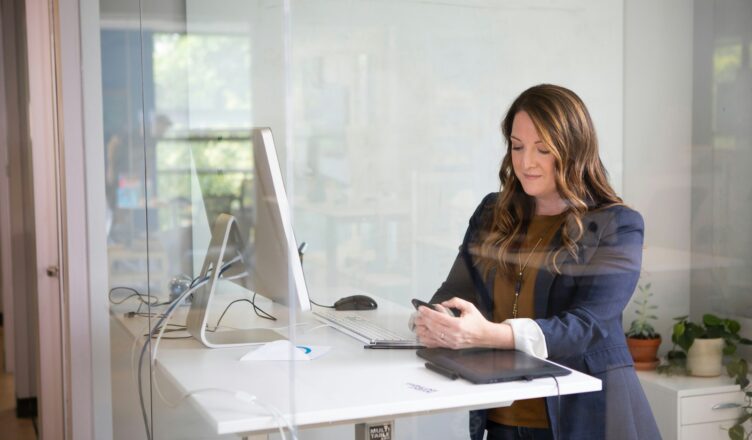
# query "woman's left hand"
(470, 329)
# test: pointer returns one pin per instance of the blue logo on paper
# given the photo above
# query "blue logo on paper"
(306, 350)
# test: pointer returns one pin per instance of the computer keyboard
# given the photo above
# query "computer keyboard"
(362, 328)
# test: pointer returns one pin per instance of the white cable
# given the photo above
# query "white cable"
(137, 337)
(163, 321)
(170, 310)
(159, 338)
(278, 416)
(235, 277)
(161, 396)
(162, 318)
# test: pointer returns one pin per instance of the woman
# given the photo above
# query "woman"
(546, 267)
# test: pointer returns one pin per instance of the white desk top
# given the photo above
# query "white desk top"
(346, 385)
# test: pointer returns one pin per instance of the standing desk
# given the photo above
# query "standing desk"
(347, 385)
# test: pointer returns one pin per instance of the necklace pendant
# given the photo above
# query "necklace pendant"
(518, 287)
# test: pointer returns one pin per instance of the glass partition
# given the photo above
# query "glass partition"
(385, 116)
(133, 276)
(176, 101)
(386, 120)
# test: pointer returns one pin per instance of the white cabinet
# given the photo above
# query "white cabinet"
(693, 408)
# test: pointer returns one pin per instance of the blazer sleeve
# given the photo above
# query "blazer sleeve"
(603, 285)
(463, 280)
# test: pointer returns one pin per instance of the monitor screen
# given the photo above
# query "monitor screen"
(264, 260)
(276, 269)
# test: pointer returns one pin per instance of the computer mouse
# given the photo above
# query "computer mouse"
(355, 302)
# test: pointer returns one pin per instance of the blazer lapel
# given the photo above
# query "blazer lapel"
(543, 282)
(546, 277)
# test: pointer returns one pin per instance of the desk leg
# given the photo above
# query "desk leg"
(383, 430)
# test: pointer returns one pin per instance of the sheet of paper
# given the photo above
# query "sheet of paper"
(282, 351)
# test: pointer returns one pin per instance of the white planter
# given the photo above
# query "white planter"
(705, 356)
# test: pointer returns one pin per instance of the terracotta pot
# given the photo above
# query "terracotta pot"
(644, 352)
(705, 357)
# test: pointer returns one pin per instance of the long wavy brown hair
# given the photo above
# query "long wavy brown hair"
(565, 127)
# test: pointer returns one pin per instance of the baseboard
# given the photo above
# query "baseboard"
(26, 408)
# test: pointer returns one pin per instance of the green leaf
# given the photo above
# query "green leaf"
(681, 318)
(711, 320)
(736, 432)
(745, 341)
(728, 350)
(679, 329)
(652, 317)
(686, 341)
(733, 326)
(648, 285)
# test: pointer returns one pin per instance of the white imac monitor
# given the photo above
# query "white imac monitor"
(267, 263)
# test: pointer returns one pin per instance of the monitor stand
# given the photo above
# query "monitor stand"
(225, 247)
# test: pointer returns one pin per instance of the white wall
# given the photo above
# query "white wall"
(657, 146)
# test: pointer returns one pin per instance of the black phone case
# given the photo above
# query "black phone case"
(417, 303)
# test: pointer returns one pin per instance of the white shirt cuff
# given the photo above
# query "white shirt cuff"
(528, 337)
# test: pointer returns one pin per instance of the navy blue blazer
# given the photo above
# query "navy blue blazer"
(580, 313)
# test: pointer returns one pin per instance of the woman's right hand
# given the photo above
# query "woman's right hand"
(470, 329)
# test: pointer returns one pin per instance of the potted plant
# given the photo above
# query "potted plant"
(687, 334)
(642, 339)
(704, 345)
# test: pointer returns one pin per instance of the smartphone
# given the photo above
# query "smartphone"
(451, 312)
(417, 303)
